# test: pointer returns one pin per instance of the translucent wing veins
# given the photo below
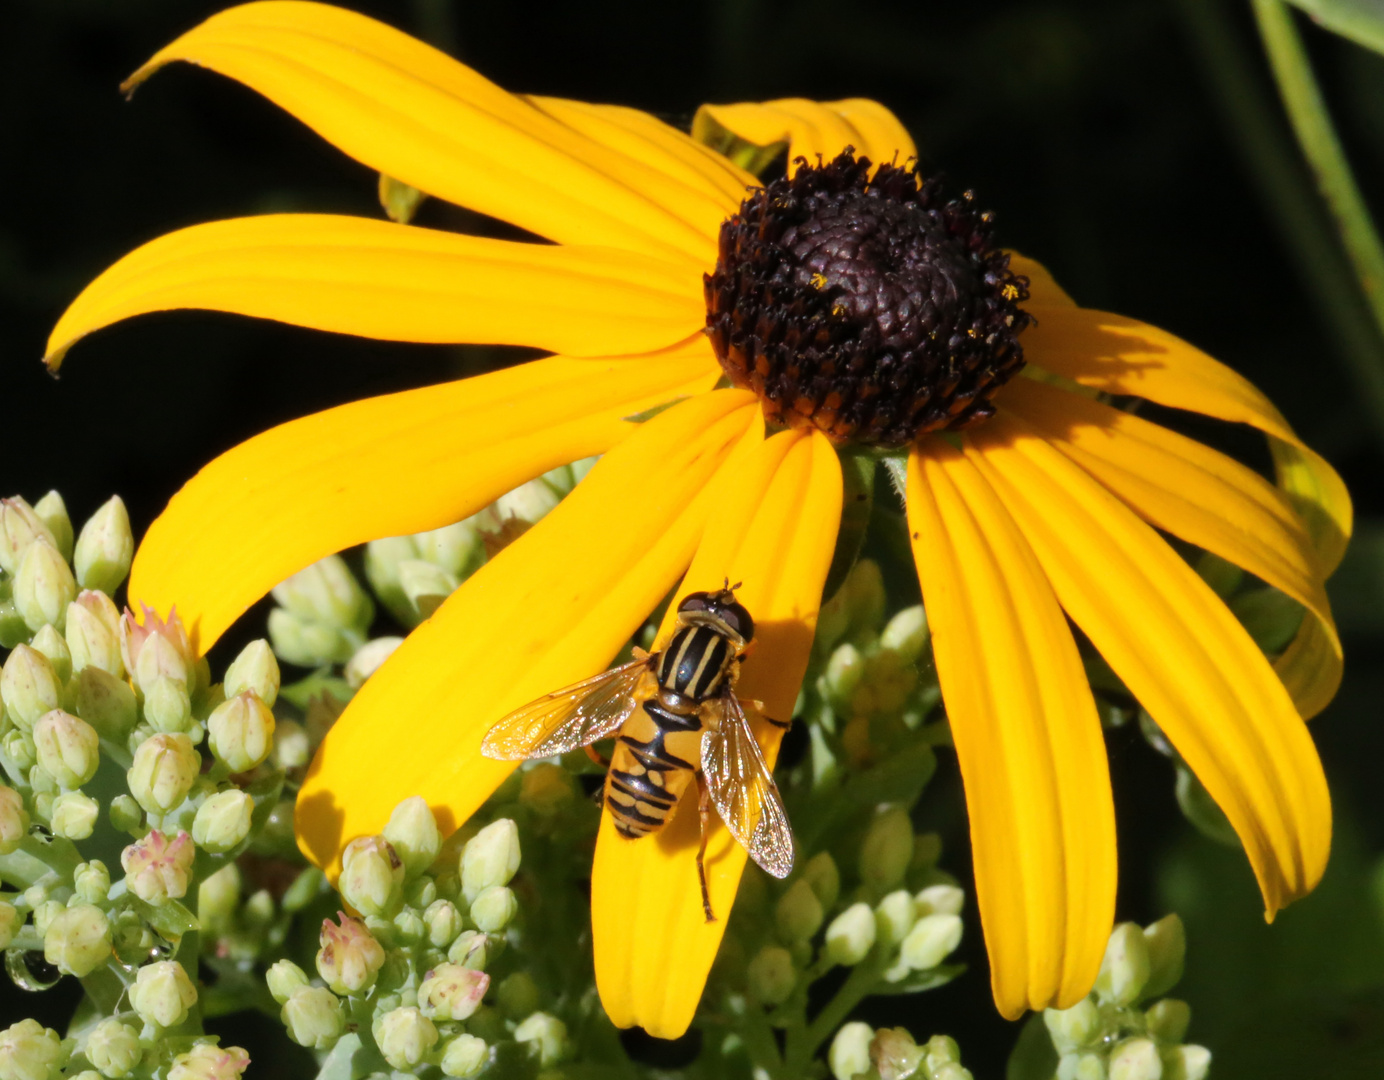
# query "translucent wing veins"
(744, 791)
(574, 716)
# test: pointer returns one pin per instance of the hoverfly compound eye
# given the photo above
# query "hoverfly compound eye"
(738, 619)
(697, 601)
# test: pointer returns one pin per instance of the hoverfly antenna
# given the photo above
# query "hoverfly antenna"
(732, 588)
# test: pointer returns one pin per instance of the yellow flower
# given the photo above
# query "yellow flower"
(1053, 505)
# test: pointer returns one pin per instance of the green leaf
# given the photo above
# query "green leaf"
(1362, 21)
(649, 413)
(919, 981)
(170, 919)
(857, 502)
(1033, 1057)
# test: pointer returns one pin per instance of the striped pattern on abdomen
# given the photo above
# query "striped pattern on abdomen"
(647, 777)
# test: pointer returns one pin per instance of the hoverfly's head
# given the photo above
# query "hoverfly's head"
(720, 611)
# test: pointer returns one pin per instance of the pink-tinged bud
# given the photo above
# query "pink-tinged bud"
(350, 957)
(29, 687)
(208, 1062)
(452, 992)
(372, 877)
(14, 819)
(93, 633)
(894, 1054)
(241, 731)
(158, 868)
(163, 771)
(20, 526)
(43, 587)
(162, 993)
(69, 750)
(154, 648)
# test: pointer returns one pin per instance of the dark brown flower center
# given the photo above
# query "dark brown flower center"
(871, 308)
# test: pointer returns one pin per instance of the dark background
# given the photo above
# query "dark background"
(1135, 146)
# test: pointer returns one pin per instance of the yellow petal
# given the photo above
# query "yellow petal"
(812, 127)
(664, 148)
(1027, 737)
(386, 466)
(382, 280)
(1043, 289)
(774, 530)
(1124, 356)
(1191, 491)
(1178, 649)
(413, 113)
(549, 610)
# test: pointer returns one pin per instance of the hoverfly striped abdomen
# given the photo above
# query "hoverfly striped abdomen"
(647, 777)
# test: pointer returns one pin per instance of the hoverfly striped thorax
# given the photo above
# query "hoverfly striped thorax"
(678, 722)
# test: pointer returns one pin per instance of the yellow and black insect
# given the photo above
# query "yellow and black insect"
(678, 720)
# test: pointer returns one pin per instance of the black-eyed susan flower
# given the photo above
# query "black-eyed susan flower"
(849, 304)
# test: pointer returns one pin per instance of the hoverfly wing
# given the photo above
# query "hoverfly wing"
(565, 719)
(744, 791)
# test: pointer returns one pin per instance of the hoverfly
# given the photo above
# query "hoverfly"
(678, 721)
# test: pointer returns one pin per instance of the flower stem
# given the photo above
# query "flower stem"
(854, 990)
(1276, 170)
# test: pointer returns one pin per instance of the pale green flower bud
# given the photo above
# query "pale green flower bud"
(425, 585)
(69, 749)
(470, 949)
(30, 1051)
(413, 832)
(546, 1037)
(92, 640)
(162, 993)
(292, 748)
(29, 687)
(52, 511)
(366, 660)
(939, 1052)
(798, 914)
(849, 1055)
(528, 503)
(452, 992)
(1081, 1067)
(894, 1054)
(74, 815)
(350, 958)
(1190, 1062)
(314, 1018)
(408, 928)
(223, 821)
(452, 547)
(906, 634)
(284, 979)
(158, 868)
(1124, 972)
(865, 596)
(491, 857)
(823, 878)
(92, 881)
(256, 670)
(1168, 1020)
(372, 876)
(442, 922)
(45, 911)
(931, 940)
(126, 816)
(546, 789)
(20, 526)
(10, 922)
(19, 748)
(404, 1037)
(843, 674)
(155, 649)
(952, 1070)
(939, 900)
(420, 892)
(1073, 1028)
(105, 548)
(50, 645)
(217, 898)
(494, 908)
(1167, 948)
(895, 916)
(1135, 1059)
(113, 1048)
(887, 849)
(327, 592)
(465, 1056)
(207, 1062)
(518, 994)
(14, 819)
(382, 559)
(106, 703)
(240, 732)
(302, 641)
(851, 935)
(43, 587)
(163, 771)
(771, 976)
(78, 940)
(167, 704)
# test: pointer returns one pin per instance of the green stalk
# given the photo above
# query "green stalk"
(1273, 166)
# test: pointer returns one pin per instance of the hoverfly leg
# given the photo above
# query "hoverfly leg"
(638, 653)
(704, 815)
(757, 707)
(596, 756)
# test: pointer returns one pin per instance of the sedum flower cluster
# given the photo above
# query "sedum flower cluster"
(146, 849)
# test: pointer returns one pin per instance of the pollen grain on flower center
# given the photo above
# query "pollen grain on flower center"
(871, 308)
